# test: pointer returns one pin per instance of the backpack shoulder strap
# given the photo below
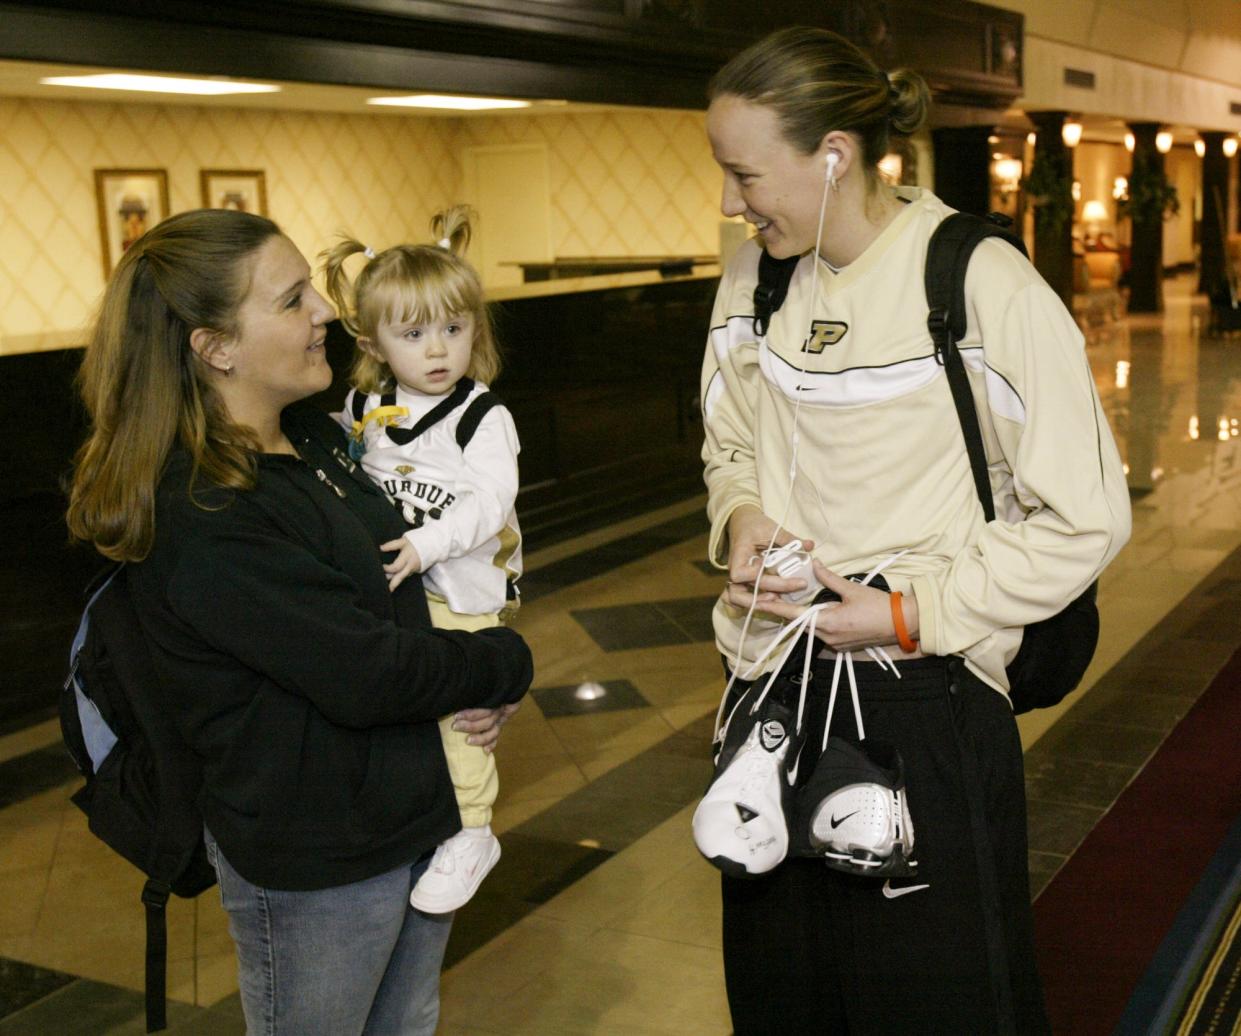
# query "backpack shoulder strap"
(947, 261)
(357, 403)
(773, 285)
(460, 392)
(176, 779)
(477, 409)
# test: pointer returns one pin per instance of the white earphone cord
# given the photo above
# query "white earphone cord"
(878, 654)
(718, 734)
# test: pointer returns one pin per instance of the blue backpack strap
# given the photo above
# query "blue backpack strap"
(87, 733)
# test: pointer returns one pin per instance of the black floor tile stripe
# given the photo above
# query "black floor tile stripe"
(85, 1008)
(607, 696)
(27, 775)
(603, 559)
(22, 984)
(627, 627)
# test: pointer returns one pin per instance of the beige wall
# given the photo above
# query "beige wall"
(623, 183)
(370, 175)
(1097, 165)
(1184, 171)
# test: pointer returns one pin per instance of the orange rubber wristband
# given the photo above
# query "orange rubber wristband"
(908, 644)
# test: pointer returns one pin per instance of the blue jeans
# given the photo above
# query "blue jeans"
(355, 960)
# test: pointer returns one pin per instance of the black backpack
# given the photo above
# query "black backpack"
(141, 777)
(1054, 653)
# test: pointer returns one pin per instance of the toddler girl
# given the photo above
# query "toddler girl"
(425, 428)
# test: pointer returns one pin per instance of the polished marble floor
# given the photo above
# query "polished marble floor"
(601, 917)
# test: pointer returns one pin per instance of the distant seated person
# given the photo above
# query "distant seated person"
(1104, 241)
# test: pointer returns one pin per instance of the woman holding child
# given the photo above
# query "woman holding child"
(309, 689)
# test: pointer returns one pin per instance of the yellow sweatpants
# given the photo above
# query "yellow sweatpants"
(473, 771)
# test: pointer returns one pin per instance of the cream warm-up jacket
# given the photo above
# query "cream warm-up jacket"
(881, 465)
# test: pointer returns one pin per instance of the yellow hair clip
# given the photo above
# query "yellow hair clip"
(382, 415)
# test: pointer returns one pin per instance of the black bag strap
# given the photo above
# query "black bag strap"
(171, 855)
(155, 901)
(773, 285)
(357, 404)
(947, 261)
(479, 407)
(460, 392)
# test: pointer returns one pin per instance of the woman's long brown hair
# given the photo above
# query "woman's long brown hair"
(144, 389)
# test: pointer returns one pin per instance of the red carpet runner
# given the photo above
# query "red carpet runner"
(1104, 916)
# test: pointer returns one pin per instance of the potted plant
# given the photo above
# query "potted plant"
(1050, 188)
(1150, 197)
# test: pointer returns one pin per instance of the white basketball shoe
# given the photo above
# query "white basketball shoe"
(740, 824)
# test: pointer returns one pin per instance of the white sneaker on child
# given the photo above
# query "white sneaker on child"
(456, 871)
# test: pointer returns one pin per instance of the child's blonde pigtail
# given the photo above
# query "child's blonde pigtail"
(369, 372)
(339, 287)
(453, 226)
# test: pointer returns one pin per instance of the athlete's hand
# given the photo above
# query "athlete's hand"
(749, 534)
(404, 565)
(483, 725)
(862, 617)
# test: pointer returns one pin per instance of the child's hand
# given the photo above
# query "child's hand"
(405, 564)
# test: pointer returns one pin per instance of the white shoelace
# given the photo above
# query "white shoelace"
(805, 623)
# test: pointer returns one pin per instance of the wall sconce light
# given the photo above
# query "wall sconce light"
(1120, 188)
(1163, 142)
(891, 166)
(1007, 173)
(1130, 143)
(1071, 133)
(1230, 146)
(1200, 147)
(1094, 211)
(1094, 215)
(1031, 138)
(1077, 190)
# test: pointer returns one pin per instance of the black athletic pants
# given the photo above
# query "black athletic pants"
(811, 950)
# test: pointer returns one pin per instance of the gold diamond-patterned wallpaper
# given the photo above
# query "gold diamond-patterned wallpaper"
(325, 172)
(623, 183)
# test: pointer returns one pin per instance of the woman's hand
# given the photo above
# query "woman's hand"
(749, 534)
(862, 617)
(483, 725)
(404, 565)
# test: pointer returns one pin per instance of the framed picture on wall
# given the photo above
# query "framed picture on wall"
(242, 189)
(130, 202)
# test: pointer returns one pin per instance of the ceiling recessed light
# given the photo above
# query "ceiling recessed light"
(469, 104)
(161, 84)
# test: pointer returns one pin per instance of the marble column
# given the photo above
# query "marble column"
(1146, 253)
(963, 167)
(1211, 275)
(1053, 246)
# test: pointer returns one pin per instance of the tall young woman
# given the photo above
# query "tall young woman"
(309, 691)
(850, 442)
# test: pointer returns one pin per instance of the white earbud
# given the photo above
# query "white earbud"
(833, 160)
